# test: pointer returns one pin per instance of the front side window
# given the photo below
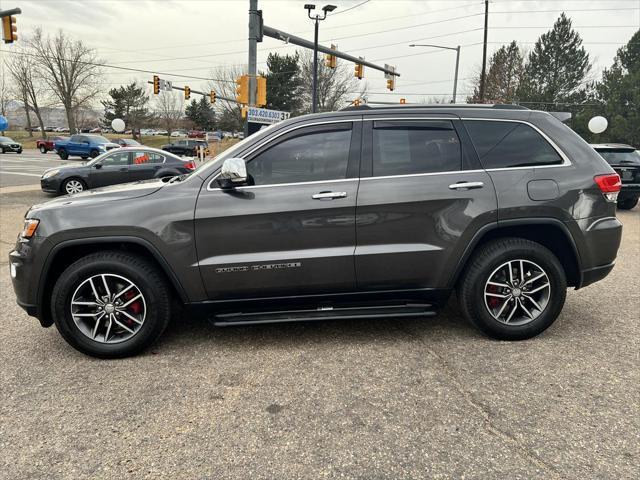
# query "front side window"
(116, 159)
(308, 157)
(76, 138)
(510, 144)
(412, 147)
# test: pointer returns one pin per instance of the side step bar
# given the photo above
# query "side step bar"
(324, 313)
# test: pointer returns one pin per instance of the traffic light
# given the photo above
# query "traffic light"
(212, 97)
(9, 29)
(242, 89)
(359, 71)
(244, 111)
(187, 93)
(156, 84)
(403, 101)
(261, 99)
(356, 102)
(391, 83)
(331, 61)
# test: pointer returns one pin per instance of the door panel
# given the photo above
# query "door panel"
(144, 165)
(114, 169)
(278, 240)
(292, 229)
(421, 203)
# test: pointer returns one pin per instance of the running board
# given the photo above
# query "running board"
(325, 313)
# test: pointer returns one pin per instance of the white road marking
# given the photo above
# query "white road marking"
(21, 173)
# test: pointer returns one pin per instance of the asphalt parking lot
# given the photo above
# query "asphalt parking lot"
(26, 168)
(363, 399)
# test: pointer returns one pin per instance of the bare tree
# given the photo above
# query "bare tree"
(22, 70)
(69, 68)
(5, 93)
(169, 110)
(335, 85)
(224, 84)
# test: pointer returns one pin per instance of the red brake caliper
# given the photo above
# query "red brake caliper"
(493, 301)
(135, 307)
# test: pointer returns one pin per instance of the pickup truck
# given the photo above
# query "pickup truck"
(47, 144)
(84, 146)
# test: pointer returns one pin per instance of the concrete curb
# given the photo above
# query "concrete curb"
(19, 188)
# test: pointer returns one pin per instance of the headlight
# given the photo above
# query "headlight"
(30, 226)
(50, 173)
(101, 147)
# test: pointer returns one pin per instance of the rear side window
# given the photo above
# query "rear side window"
(140, 157)
(411, 147)
(510, 144)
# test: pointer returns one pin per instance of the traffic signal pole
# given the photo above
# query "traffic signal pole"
(254, 33)
(314, 95)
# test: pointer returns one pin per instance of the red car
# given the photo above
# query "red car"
(196, 134)
(46, 145)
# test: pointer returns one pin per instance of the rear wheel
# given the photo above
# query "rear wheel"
(111, 304)
(62, 153)
(94, 153)
(43, 149)
(73, 185)
(513, 289)
(627, 203)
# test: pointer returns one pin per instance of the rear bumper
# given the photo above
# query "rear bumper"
(630, 188)
(598, 245)
(595, 274)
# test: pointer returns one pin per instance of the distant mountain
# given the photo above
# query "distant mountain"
(55, 117)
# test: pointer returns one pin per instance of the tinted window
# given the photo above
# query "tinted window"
(140, 157)
(5, 139)
(621, 156)
(96, 139)
(120, 158)
(402, 148)
(510, 144)
(76, 138)
(307, 157)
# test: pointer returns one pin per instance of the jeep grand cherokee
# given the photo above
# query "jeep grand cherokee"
(368, 212)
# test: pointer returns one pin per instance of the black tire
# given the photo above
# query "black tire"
(488, 258)
(62, 153)
(43, 149)
(94, 153)
(19, 151)
(144, 274)
(627, 203)
(84, 157)
(3, 151)
(63, 187)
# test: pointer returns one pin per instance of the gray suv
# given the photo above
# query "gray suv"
(362, 213)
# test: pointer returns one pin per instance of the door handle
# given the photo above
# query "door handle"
(466, 185)
(329, 195)
(124, 169)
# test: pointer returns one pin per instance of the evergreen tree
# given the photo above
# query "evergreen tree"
(556, 68)
(128, 103)
(201, 113)
(283, 82)
(506, 67)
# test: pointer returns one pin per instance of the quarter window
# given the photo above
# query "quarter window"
(307, 157)
(411, 147)
(510, 144)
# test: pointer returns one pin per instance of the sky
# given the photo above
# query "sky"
(192, 37)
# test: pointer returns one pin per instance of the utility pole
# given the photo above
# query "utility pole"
(314, 95)
(484, 52)
(455, 77)
(254, 33)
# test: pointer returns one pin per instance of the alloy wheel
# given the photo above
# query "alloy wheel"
(108, 308)
(73, 186)
(517, 292)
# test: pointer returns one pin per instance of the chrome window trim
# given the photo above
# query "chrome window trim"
(270, 139)
(251, 187)
(408, 175)
(565, 159)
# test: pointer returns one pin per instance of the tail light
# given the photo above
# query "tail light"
(191, 165)
(609, 185)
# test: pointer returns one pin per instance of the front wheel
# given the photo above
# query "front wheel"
(111, 304)
(94, 153)
(513, 289)
(73, 185)
(43, 149)
(62, 153)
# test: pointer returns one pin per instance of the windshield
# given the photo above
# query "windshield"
(617, 157)
(231, 151)
(98, 139)
(6, 139)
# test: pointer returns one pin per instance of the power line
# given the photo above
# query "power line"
(350, 8)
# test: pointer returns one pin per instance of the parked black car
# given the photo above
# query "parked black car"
(126, 142)
(9, 145)
(625, 160)
(368, 212)
(116, 166)
(185, 147)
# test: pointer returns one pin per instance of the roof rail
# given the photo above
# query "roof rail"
(497, 106)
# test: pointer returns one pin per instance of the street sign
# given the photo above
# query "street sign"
(165, 85)
(264, 115)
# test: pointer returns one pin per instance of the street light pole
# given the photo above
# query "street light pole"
(326, 9)
(455, 78)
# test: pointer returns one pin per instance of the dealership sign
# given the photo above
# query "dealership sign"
(263, 115)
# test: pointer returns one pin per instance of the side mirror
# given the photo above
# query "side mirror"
(97, 166)
(234, 172)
